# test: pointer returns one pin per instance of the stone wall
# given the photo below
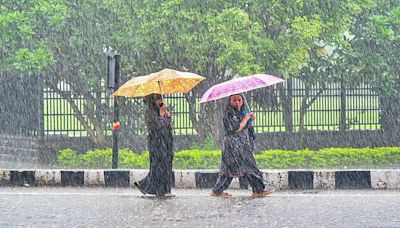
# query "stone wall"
(24, 152)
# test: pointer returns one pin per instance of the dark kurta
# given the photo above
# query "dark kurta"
(160, 144)
(237, 149)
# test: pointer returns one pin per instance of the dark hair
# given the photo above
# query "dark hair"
(152, 98)
(229, 107)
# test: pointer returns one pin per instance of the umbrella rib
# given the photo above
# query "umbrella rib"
(136, 88)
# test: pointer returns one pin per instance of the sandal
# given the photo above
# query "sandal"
(222, 194)
(262, 194)
(168, 194)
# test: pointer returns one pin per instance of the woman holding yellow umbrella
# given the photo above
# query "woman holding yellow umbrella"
(158, 121)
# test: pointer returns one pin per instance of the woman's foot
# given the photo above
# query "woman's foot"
(139, 187)
(168, 194)
(262, 194)
(222, 194)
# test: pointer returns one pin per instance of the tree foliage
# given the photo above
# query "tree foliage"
(316, 41)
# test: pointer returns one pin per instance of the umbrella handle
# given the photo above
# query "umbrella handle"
(248, 108)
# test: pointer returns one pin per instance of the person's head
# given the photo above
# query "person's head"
(236, 101)
(153, 99)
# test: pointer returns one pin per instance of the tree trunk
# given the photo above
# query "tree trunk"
(90, 106)
(305, 104)
(285, 96)
(96, 133)
(208, 123)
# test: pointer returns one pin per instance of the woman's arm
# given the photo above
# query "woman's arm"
(243, 123)
(233, 123)
(156, 121)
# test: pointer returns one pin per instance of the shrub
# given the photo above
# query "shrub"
(100, 158)
(69, 158)
(197, 159)
(206, 144)
(269, 159)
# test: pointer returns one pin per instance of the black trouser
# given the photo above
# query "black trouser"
(223, 182)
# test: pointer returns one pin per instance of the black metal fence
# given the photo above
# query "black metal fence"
(281, 108)
(330, 107)
(60, 118)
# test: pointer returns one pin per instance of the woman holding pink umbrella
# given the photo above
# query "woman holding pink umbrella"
(237, 150)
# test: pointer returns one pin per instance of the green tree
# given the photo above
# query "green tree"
(373, 56)
(63, 41)
(304, 34)
(220, 40)
(214, 39)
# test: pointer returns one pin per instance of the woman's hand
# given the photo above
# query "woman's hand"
(246, 117)
(252, 116)
(164, 111)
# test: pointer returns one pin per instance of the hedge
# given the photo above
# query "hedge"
(269, 159)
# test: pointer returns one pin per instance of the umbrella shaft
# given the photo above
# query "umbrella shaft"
(246, 104)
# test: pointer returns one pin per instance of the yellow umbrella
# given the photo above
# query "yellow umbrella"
(166, 81)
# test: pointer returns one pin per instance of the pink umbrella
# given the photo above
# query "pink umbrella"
(239, 85)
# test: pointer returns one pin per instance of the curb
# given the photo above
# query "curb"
(278, 179)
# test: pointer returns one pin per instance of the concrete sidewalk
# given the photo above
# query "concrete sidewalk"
(278, 179)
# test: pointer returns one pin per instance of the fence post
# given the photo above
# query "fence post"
(113, 81)
(289, 107)
(40, 96)
(116, 111)
(342, 107)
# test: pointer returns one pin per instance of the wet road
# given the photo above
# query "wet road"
(112, 207)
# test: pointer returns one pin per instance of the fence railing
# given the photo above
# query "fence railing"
(331, 107)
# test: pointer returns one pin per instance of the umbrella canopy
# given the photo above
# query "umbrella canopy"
(166, 81)
(239, 85)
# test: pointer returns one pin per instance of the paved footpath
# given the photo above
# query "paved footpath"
(126, 207)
